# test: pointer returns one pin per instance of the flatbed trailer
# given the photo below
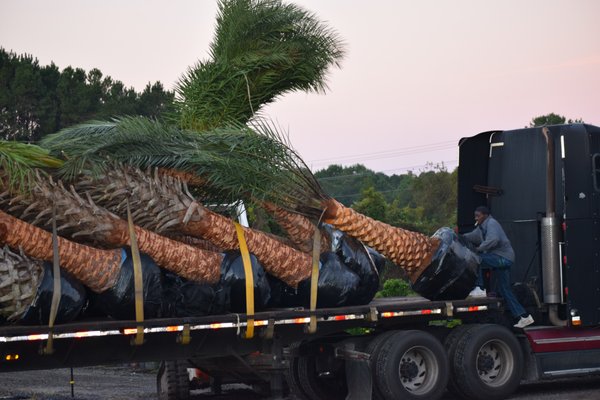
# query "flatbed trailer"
(99, 342)
(282, 355)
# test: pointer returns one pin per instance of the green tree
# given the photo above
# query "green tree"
(552, 119)
(372, 204)
(436, 192)
(37, 100)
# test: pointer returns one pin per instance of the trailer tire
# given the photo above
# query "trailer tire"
(292, 378)
(450, 344)
(172, 381)
(315, 387)
(372, 349)
(411, 365)
(487, 363)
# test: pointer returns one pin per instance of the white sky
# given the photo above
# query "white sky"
(418, 75)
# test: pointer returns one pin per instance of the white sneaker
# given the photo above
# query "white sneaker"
(477, 292)
(524, 321)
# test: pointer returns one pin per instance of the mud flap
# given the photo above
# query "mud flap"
(358, 374)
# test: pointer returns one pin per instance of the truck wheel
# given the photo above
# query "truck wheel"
(411, 365)
(317, 387)
(292, 378)
(172, 381)
(487, 363)
(372, 349)
(450, 344)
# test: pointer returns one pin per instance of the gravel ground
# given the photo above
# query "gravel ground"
(124, 383)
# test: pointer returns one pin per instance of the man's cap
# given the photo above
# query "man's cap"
(483, 210)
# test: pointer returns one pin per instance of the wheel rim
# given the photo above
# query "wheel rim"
(418, 370)
(495, 363)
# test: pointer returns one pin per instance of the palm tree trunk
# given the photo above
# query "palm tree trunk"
(80, 217)
(166, 203)
(187, 261)
(188, 177)
(298, 227)
(195, 242)
(283, 262)
(97, 269)
(411, 251)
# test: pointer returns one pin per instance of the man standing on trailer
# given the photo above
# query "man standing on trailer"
(497, 254)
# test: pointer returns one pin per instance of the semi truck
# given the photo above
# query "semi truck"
(542, 184)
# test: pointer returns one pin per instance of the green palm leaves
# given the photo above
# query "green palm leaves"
(261, 49)
(17, 160)
(235, 162)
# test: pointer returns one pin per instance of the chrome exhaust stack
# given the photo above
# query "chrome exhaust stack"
(550, 238)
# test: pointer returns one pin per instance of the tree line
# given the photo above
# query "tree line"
(420, 202)
(410, 201)
(36, 100)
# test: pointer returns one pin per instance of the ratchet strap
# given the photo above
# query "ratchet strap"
(56, 292)
(138, 282)
(314, 280)
(249, 281)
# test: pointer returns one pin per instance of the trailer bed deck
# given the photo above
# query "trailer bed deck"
(96, 342)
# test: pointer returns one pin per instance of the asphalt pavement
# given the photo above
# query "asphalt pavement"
(127, 383)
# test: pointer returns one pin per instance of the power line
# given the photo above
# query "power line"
(379, 191)
(385, 170)
(389, 153)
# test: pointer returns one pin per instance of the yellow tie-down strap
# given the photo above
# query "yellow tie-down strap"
(314, 280)
(249, 281)
(56, 290)
(138, 282)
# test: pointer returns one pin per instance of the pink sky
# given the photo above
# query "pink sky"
(418, 75)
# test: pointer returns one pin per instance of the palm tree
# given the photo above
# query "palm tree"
(261, 50)
(169, 207)
(239, 163)
(98, 269)
(82, 218)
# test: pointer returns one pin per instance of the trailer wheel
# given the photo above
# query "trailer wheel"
(487, 363)
(172, 381)
(292, 378)
(373, 348)
(450, 344)
(411, 365)
(318, 387)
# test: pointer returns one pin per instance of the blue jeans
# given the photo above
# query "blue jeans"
(501, 268)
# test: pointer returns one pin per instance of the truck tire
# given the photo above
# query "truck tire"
(450, 344)
(172, 381)
(316, 387)
(292, 378)
(372, 349)
(487, 363)
(411, 365)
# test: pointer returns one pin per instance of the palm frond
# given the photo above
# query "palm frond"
(261, 50)
(237, 162)
(18, 160)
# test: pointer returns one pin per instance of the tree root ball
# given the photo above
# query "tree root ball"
(452, 272)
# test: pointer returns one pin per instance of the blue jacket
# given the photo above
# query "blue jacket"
(489, 237)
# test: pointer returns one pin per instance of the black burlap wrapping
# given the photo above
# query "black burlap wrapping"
(348, 275)
(358, 258)
(184, 298)
(337, 285)
(232, 286)
(73, 299)
(119, 301)
(452, 272)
